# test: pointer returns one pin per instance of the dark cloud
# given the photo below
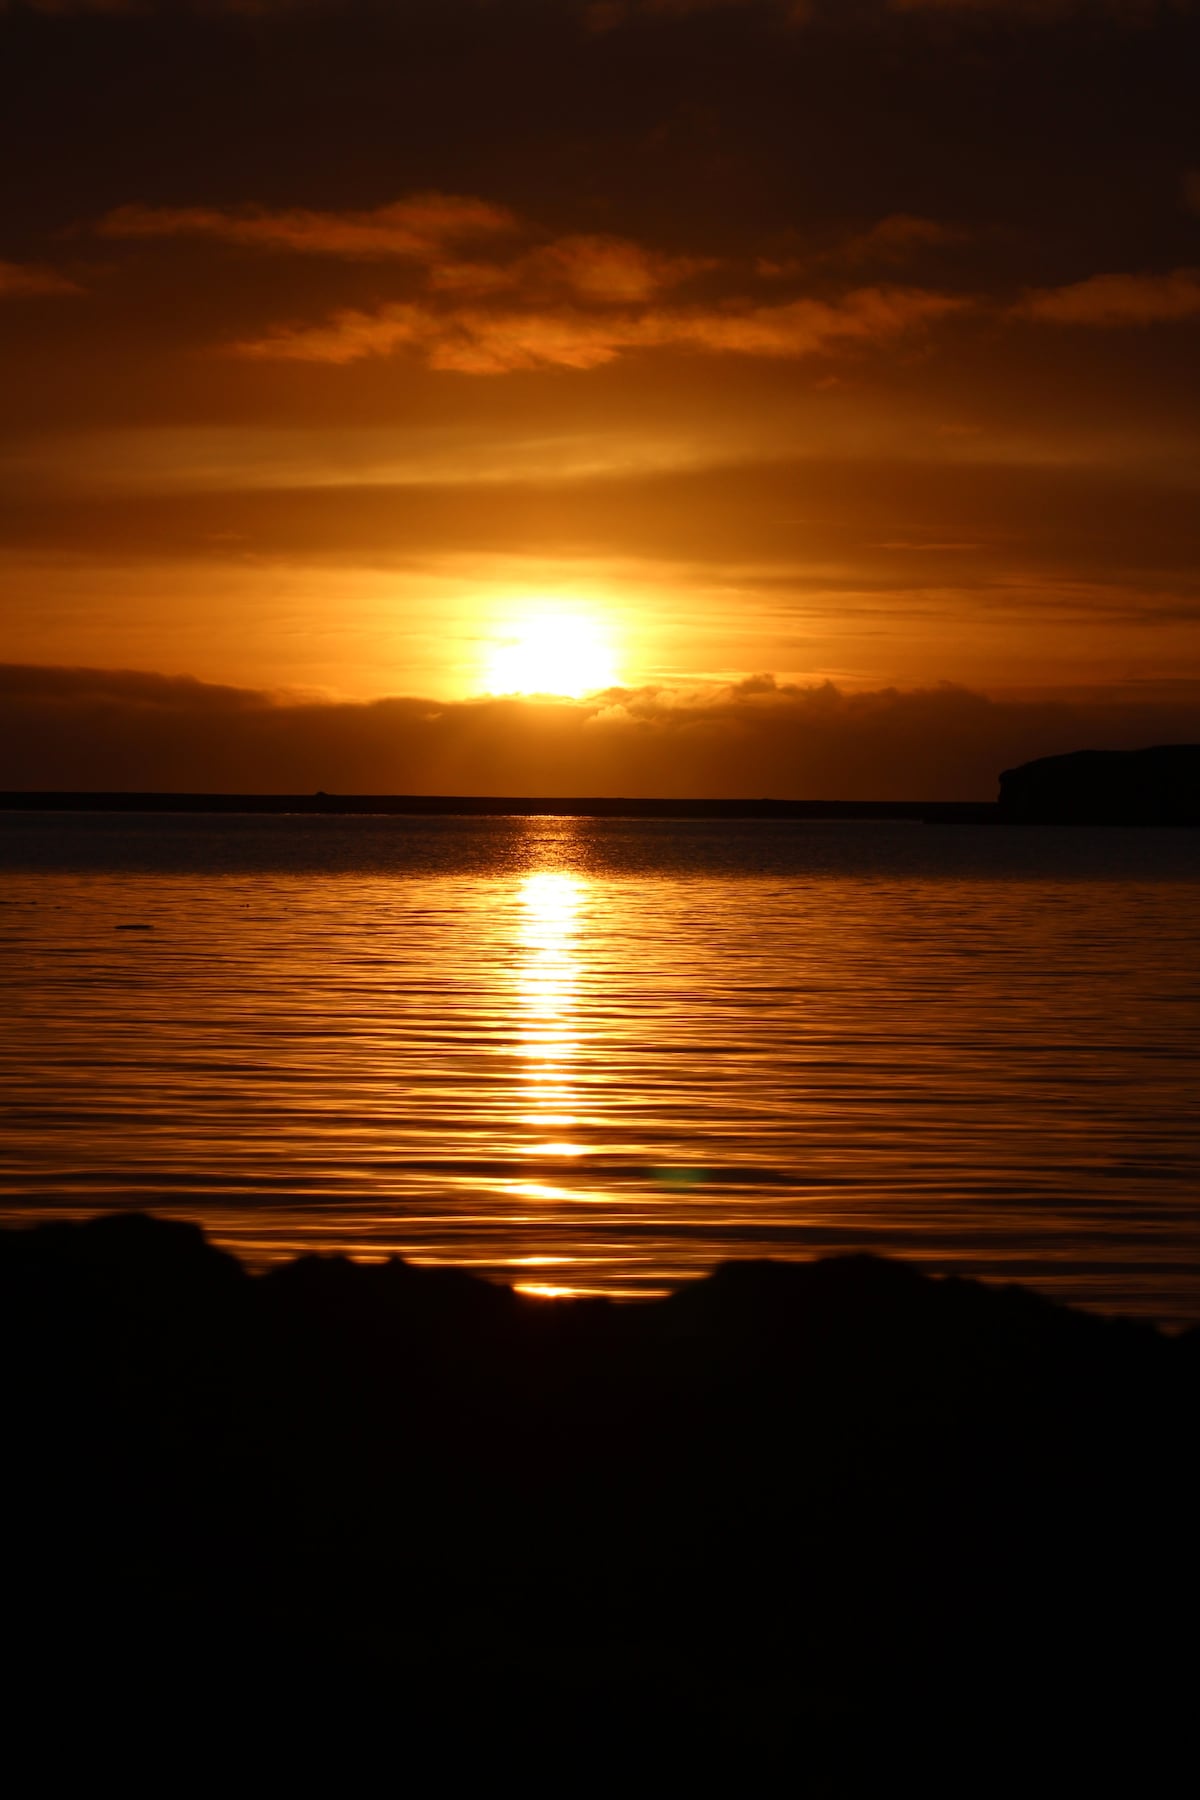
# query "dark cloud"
(488, 313)
(426, 229)
(496, 312)
(94, 729)
(707, 124)
(900, 238)
(478, 341)
(1019, 12)
(610, 15)
(600, 16)
(134, 9)
(65, 8)
(1119, 300)
(21, 280)
(418, 228)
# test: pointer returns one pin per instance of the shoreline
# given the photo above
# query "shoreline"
(988, 813)
(495, 806)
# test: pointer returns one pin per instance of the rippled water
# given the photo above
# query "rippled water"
(597, 1056)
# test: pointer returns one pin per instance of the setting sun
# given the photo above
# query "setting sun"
(551, 653)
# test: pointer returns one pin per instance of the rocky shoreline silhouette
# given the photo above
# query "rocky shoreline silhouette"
(833, 1520)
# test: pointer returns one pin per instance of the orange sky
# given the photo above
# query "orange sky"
(360, 351)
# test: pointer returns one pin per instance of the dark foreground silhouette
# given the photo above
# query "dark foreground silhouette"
(814, 1527)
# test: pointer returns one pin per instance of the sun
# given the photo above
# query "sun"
(552, 653)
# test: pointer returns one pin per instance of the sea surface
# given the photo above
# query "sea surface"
(600, 1056)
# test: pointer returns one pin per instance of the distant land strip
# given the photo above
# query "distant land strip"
(501, 806)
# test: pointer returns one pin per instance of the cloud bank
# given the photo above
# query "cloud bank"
(19, 280)
(98, 729)
(493, 294)
(417, 228)
(575, 301)
(477, 341)
(1108, 300)
(601, 16)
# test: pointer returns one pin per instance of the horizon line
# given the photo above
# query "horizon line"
(513, 805)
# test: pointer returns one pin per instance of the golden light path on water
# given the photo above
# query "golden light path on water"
(589, 1056)
(546, 980)
(549, 1040)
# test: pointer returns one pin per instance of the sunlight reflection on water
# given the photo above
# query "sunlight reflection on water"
(601, 1056)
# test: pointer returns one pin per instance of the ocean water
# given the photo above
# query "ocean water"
(600, 1056)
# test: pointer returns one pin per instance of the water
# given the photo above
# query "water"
(600, 1056)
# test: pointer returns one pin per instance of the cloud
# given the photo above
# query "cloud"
(18, 280)
(97, 729)
(608, 268)
(417, 228)
(896, 239)
(140, 8)
(66, 7)
(597, 269)
(422, 228)
(1105, 300)
(578, 301)
(599, 17)
(1047, 10)
(479, 341)
(608, 15)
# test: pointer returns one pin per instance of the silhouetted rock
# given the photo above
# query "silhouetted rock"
(832, 1523)
(1159, 786)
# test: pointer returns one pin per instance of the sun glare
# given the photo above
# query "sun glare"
(552, 653)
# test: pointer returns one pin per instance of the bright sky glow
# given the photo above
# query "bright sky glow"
(552, 653)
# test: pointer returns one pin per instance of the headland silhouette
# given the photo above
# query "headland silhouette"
(1157, 786)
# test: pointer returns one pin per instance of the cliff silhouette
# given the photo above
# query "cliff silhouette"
(1158, 786)
(826, 1522)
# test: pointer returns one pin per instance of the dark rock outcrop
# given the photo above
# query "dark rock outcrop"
(835, 1524)
(1158, 786)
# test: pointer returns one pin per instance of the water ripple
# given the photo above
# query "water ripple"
(602, 1051)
